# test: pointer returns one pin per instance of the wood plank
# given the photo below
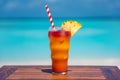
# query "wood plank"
(74, 72)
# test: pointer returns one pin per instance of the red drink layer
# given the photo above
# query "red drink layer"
(59, 45)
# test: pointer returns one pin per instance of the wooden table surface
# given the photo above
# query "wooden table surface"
(74, 72)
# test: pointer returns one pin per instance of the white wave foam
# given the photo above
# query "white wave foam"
(97, 62)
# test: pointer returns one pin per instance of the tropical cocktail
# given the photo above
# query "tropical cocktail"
(59, 38)
(60, 44)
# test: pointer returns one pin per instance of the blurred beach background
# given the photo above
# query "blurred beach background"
(24, 31)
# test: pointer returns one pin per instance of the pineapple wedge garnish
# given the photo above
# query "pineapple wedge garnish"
(72, 26)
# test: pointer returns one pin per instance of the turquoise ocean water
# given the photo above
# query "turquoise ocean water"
(25, 42)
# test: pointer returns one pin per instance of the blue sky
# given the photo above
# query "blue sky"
(60, 8)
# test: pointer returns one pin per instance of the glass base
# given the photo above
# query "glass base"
(63, 73)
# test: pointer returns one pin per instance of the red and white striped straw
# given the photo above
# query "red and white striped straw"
(49, 16)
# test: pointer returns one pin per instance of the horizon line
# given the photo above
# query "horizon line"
(60, 17)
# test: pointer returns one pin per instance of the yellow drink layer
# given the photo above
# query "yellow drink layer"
(72, 26)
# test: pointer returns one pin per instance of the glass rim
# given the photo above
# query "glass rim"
(56, 29)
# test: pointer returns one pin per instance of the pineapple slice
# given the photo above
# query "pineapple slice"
(72, 26)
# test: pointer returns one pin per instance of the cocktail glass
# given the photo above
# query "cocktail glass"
(59, 46)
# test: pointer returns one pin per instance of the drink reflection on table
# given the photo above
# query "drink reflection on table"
(59, 77)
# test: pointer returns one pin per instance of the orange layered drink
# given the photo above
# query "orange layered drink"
(59, 45)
